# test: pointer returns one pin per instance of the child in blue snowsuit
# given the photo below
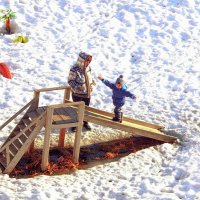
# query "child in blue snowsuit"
(119, 93)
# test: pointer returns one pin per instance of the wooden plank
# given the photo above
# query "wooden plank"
(15, 146)
(61, 114)
(22, 137)
(94, 111)
(67, 94)
(18, 143)
(77, 140)
(13, 149)
(59, 126)
(7, 156)
(132, 128)
(56, 118)
(35, 104)
(33, 114)
(71, 112)
(22, 126)
(52, 88)
(28, 132)
(61, 141)
(65, 105)
(46, 146)
(40, 110)
(26, 121)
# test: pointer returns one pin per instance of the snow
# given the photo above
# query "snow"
(156, 46)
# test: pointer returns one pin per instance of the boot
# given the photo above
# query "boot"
(118, 117)
(73, 129)
(87, 126)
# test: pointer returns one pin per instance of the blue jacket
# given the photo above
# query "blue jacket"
(118, 94)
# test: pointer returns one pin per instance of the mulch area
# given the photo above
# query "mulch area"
(60, 159)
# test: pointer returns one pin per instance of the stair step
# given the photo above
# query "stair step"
(21, 126)
(18, 143)
(23, 138)
(28, 133)
(33, 114)
(14, 133)
(26, 121)
(40, 110)
(13, 150)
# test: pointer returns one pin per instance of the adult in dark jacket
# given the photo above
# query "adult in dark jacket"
(119, 93)
(81, 81)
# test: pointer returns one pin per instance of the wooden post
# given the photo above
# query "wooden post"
(7, 156)
(61, 141)
(34, 106)
(76, 151)
(36, 97)
(45, 153)
(67, 94)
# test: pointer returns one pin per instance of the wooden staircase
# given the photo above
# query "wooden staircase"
(20, 139)
(58, 116)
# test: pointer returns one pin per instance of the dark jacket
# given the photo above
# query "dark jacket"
(79, 76)
(118, 94)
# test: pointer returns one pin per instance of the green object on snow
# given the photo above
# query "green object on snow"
(4, 14)
(21, 39)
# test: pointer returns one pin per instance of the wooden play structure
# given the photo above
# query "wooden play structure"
(61, 116)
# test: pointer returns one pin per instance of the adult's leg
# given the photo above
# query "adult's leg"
(87, 103)
(75, 99)
(85, 123)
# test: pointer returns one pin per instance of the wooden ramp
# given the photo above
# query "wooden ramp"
(136, 127)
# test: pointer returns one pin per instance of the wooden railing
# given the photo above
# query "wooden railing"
(35, 101)
(17, 113)
(65, 88)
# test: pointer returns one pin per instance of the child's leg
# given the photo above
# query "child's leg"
(118, 114)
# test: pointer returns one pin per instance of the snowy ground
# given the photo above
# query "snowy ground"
(155, 44)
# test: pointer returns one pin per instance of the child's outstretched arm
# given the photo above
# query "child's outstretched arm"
(106, 82)
(129, 94)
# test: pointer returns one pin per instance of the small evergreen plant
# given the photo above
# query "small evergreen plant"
(6, 16)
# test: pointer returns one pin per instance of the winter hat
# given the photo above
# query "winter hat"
(120, 80)
(82, 58)
(85, 56)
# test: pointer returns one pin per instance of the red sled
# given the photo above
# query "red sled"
(4, 71)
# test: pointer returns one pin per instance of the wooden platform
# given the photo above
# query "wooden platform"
(61, 116)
